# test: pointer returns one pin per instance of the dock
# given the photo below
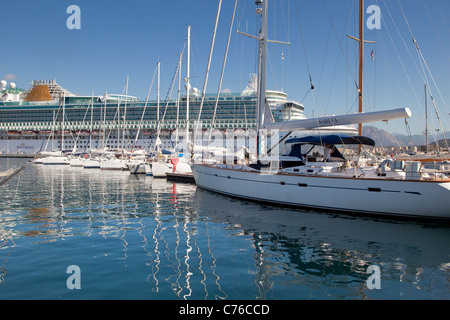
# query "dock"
(181, 177)
(19, 155)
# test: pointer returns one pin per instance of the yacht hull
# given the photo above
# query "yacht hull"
(160, 169)
(113, 164)
(91, 164)
(421, 199)
(55, 161)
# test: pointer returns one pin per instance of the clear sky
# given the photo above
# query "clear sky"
(127, 38)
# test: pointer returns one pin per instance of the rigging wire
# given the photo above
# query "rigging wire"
(424, 63)
(401, 62)
(287, 31)
(436, 30)
(340, 45)
(304, 48)
(168, 97)
(145, 108)
(444, 20)
(324, 61)
(408, 130)
(398, 54)
(223, 68)
(209, 61)
(272, 70)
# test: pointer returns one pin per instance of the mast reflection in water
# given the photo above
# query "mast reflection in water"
(134, 237)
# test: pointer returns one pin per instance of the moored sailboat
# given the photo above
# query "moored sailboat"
(388, 189)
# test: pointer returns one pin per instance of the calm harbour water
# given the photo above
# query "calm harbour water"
(135, 237)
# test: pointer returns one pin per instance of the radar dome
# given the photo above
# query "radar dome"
(3, 83)
(12, 85)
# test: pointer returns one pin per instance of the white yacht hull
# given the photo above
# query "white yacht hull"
(160, 169)
(148, 169)
(55, 161)
(137, 167)
(358, 195)
(91, 164)
(76, 162)
(113, 164)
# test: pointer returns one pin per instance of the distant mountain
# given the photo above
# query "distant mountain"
(385, 139)
(443, 143)
(415, 139)
(381, 137)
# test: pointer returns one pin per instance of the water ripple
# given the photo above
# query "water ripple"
(135, 237)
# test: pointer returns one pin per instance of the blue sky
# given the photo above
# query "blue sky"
(127, 38)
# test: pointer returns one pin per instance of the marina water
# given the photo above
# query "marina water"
(135, 237)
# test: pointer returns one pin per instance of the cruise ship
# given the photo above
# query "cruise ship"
(47, 117)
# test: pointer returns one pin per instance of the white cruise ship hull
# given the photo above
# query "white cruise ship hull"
(356, 195)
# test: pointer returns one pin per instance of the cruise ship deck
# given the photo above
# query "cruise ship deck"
(37, 119)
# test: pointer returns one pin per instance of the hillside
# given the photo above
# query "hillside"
(443, 143)
(385, 139)
(382, 137)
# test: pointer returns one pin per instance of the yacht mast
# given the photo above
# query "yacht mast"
(62, 123)
(125, 116)
(426, 121)
(262, 61)
(92, 121)
(178, 101)
(157, 92)
(361, 60)
(188, 85)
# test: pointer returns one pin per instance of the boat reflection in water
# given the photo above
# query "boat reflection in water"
(309, 255)
(135, 237)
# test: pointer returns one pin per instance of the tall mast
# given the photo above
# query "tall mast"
(426, 120)
(262, 61)
(92, 121)
(62, 123)
(263, 113)
(157, 92)
(178, 100)
(104, 121)
(188, 85)
(125, 116)
(209, 61)
(361, 60)
(262, 64)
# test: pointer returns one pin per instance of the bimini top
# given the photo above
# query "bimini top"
(333, 139)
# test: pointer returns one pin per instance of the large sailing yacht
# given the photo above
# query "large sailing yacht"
(302, 178)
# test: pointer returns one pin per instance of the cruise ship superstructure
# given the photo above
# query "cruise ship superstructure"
(46, 115)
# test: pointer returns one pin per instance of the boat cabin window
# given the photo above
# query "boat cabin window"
(316, 153)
